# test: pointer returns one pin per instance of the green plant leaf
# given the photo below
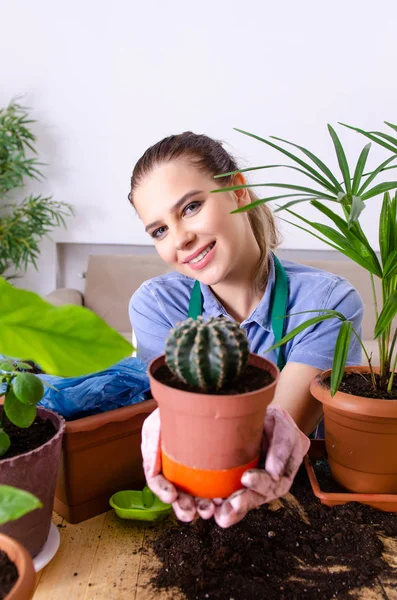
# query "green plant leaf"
(22, 415)
(301, 327)
(387, 315)
(317, 161)
(340, 154)
(391, 125)
(360, 168)
(287, 186)
(15, 503)
(5, 442)
(265, 201)
(63, 340)
(385, 228)
(370, 136)
(375, 173)
(24, 365)
(390, 268)
(6, 366)
(295, 158)
(379, 189)
(340, 355)
(28, 388)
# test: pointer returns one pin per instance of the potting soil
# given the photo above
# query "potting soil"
(252, 378)
(302, 550)
(360, 384)
(24, 440)
(8, 574)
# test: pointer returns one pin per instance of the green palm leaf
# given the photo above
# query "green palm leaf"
(387, 315)
(340, 154)
(340, 355)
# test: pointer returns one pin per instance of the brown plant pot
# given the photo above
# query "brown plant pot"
(209, 440)
(101, 455)
(36, 472)
(25, 584)
(360, 438)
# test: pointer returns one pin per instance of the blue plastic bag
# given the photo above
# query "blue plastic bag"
(122, 384)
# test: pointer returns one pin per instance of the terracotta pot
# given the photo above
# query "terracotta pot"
(25, 584)
(209, 440)
(36, 472)
(101, 455)
(360, 438)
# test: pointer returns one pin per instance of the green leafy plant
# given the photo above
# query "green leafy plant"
(340, 198)
(64, 340)
(206, 354)
(22, 224)
(15, 503)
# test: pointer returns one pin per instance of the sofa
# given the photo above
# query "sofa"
(111, 280)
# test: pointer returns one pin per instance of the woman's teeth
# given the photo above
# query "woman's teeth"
(202, 254)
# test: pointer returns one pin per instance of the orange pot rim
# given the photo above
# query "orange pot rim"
(371, 407)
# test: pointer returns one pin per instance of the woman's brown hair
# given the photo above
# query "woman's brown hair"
(210, 156)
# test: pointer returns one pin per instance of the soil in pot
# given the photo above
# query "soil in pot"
(24, 440)
(8, 575)
(360, 384)
(284, 554)
(252, 378)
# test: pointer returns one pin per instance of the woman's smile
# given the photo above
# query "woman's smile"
(200, 259)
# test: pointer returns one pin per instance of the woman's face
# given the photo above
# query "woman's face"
(193, 230)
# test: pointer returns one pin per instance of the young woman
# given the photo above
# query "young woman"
(229, 256)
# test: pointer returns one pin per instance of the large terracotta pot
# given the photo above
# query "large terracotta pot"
(209, 440)
(36, 472)
(360, 438)
(25, 584)
(101, 455)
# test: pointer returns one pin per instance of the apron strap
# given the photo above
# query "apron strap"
(196, 301)
(279, 304)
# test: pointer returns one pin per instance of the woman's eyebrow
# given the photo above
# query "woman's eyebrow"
(175, 207)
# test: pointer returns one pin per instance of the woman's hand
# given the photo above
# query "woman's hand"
(283, 446)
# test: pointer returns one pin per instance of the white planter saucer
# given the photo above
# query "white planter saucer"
(49, 549)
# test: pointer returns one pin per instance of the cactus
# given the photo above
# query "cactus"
(207, 355)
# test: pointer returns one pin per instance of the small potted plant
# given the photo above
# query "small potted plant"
(360, 403)
(17, 575)
(66, 341)
(212, 395)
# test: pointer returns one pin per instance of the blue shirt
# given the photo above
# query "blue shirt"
(160, 303)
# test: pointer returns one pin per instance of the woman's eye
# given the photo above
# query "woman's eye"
(158, 233)
(192, 207)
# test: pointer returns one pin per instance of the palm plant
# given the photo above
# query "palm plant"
(341, 198)
(22, 224)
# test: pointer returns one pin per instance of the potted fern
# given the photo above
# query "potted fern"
(69, 340)
(22, 223)
(17, 576)
(360, 403)
(214, 393)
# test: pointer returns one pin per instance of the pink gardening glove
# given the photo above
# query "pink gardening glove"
(284, 446)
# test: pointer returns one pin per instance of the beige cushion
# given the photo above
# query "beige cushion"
(111, 281)
(65, 296)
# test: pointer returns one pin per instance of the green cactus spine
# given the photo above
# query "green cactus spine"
(207, 354)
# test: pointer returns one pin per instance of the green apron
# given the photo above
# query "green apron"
(279, 305)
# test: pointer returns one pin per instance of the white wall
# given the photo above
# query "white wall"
(107, 79)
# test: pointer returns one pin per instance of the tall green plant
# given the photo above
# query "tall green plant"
(23, 224)
(340, 198)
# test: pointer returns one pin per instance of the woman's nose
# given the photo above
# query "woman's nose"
(183, 239)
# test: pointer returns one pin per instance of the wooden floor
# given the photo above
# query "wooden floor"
(110, 559)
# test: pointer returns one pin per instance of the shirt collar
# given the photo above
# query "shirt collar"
(262, 313)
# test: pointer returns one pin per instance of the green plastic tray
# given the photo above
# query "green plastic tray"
(140, 505)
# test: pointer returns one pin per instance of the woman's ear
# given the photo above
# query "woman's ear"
(243, 198)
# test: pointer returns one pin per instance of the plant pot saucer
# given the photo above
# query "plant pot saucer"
(49, 549)
(384, 502)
